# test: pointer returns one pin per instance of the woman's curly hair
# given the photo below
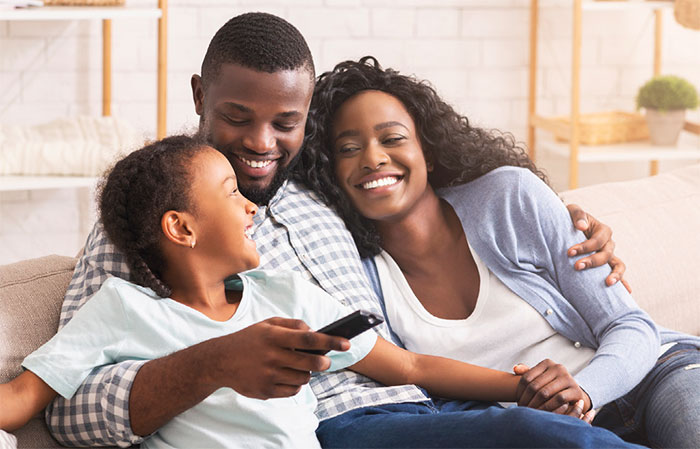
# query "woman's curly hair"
(460, 152)
(134, 195)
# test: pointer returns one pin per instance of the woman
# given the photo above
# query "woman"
(476, 270)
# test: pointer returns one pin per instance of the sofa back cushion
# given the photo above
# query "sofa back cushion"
(656, 224)
(31, 293)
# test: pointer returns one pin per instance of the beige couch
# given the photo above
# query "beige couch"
(657, 230)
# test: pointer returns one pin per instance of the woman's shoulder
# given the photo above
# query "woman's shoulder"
(504, 198)
(502, 183)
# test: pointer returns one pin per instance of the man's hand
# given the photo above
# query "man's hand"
(599, 240)
(549, 386)
(260, 361)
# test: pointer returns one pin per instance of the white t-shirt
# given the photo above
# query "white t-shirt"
(7, 440)
(501, 331)
(124, 321)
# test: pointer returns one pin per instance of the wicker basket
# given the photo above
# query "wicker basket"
(607, 127)
(687, 13)
(83, 2)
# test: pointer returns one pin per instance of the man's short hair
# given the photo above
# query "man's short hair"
(258, 41)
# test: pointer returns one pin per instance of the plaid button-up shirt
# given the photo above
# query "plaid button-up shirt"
(296, 231)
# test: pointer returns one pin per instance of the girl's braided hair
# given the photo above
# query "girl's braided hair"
(134, 195)
(461, 152)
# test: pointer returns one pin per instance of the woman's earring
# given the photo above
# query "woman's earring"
(429, 166)
(192, 244)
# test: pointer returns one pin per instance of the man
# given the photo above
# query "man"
(253, 98)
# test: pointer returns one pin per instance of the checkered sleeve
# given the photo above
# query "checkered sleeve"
(98, 413)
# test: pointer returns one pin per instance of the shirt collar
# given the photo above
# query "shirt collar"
(276, 198)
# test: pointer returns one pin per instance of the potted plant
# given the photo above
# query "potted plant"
(665, 99)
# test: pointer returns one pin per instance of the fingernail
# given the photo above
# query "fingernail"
(572, 252)
(580, 266)
(614, 280)
(582, 223)
(591, 416)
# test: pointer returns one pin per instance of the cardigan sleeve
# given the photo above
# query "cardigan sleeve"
(626, 339)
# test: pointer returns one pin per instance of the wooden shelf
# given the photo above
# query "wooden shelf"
(105, 14)
(688, 148)
(576, 152)
(80, 13)
(591, 5)
(15, 183)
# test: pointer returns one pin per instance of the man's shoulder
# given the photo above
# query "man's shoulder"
(301, 204)
(296, 190)
(98, 244)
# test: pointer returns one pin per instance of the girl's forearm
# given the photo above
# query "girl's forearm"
(442, 377)
(22, 398)
(449, 378)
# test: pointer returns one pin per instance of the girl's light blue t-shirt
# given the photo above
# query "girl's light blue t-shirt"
(124, 321)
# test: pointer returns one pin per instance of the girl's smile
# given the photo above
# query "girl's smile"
(223, 216)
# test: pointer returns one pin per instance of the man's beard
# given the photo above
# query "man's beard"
(259, 196)
(262, 196)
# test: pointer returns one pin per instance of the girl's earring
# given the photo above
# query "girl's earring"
(192, 244)
(429, 166)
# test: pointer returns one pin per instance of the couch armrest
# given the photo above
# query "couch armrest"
(31, 294)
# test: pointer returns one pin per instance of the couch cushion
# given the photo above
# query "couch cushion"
(31, 293)
(656, 222)
(35, 435)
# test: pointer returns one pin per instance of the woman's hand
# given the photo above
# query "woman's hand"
(599, 240)
(549, 386)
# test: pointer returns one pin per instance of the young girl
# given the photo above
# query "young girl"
(477, 271)
(174, 210)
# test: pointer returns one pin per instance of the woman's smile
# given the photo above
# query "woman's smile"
(379, 160)
(379, 182)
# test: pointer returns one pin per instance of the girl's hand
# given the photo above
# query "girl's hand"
(549, 386)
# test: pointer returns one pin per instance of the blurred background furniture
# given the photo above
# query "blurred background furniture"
(688, 148)
(105, 14)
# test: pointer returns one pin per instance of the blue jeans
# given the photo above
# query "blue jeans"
(664, 409)
(459, 424)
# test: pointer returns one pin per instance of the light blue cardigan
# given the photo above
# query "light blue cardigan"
(521, 230)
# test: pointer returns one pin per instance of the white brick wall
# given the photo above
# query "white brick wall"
(474, 51)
